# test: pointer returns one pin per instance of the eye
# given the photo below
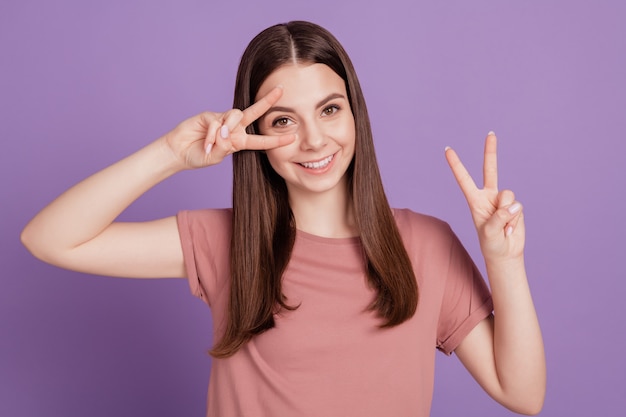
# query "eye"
(330, 110)
(281, 122)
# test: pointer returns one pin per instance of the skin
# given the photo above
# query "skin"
(314, 105)
(77, 230)
(504, 353)
(299, 123)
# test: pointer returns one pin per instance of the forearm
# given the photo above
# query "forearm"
(89, 207)
(518, 344)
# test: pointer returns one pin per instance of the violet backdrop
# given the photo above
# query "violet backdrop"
(85, 83)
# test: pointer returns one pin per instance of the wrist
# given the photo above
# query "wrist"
(150, 165)
(507, 267)
(166, 159)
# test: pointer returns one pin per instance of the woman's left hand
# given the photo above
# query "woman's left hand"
(497, 215)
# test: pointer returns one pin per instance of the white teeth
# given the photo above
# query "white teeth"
(317, 165)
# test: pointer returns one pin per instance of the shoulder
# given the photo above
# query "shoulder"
(205, 222)
(207, 216)
(424, 234)
(410, 222)
(205, 236)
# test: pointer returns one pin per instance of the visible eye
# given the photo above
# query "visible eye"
(282, 122)
(330, 110)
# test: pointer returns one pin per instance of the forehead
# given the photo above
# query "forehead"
(303, 82)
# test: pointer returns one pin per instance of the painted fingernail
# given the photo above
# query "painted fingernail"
(515, 208)
(509, 230)
(491, 133)
(208, 148)
(224, 132)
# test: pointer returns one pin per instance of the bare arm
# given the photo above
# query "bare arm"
(78, 230)
(504, 353)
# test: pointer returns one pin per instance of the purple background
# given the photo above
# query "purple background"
(85, 83)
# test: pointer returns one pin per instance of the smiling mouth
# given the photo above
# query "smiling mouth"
(319, 164)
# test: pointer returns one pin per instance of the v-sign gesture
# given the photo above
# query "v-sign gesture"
(207, 138)
(78, 230)
(497, 216)
(505, 352)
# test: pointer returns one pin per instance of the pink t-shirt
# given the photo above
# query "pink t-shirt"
(329, 357)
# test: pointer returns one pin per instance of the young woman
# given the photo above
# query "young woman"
(325, 300)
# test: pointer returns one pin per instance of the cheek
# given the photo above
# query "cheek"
(277, 158)
(345, 131)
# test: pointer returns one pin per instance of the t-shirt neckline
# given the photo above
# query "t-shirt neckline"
(355, 240)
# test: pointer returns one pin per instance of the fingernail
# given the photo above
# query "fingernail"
(491, 133)
(208, 148)
(515, 208)
(447, 147)
(224, 132)
(509, 230)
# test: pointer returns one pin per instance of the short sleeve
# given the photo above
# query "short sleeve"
(205, 240)
(466, 298)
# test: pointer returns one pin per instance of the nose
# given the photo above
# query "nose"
(312, 136)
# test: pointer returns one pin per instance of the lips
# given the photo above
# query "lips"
(318, 164)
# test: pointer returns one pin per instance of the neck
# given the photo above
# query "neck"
(325, 214)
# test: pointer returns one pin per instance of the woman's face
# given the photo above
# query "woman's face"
(314, 105)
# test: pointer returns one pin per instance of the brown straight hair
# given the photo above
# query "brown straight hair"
(263, 229)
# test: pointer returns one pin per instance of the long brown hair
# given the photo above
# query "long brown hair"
(263, 229)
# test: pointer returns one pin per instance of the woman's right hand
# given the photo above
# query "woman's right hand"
(78, 231)
(207, 138)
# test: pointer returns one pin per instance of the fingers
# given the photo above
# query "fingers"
(463, 178)
(490, 167)
(219, 131)
(261, 107)
(219, 141)
(511, 226)
(266, 142)
(506, 217)
(209, 140)
(490, 164)
(227, 135)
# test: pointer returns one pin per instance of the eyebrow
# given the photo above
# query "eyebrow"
(325, 100)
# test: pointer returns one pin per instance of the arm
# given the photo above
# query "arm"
(77, 230)
(504, 353)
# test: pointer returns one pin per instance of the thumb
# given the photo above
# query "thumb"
(504, 218)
